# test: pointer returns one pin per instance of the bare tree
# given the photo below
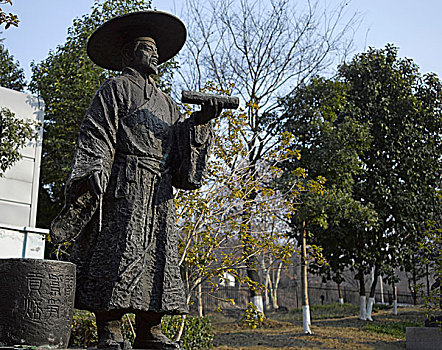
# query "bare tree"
(261, 50)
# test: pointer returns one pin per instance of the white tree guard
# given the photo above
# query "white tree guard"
(363, 308)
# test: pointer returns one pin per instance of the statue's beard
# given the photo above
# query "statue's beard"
(153, 69)
(146, 66)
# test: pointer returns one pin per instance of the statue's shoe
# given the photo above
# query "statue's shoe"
(158, 345)
(160, 342)
(114, 345)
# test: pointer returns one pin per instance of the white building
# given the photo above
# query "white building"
(19, 238)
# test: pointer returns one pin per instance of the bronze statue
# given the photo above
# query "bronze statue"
(134, 146)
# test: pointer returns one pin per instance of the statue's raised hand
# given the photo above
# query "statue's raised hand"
(210, 109)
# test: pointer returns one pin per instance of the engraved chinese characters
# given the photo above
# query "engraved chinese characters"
(36, 302)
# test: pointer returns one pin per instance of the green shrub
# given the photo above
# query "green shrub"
(197, 333)
(83, 330)
(252, 317)
(128, 327)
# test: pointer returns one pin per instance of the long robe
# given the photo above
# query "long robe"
(126, 246)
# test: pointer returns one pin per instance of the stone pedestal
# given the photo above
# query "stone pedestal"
(36, 302)
(424, 338)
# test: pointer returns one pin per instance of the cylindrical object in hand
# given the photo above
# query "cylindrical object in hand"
(199, 98)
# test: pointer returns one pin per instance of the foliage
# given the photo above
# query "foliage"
(431, 255)
(252, 318)
(330, 146)
(8, 18)
(11, 75)
(15, 133)
(396, 329)
(374, 132)
(403, 162)
(198, 332)
(83, 330)
(213, 220)
(67, 80)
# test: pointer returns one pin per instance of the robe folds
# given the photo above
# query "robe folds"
(126, 242)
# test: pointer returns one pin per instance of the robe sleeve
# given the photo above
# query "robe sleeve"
(190, 154)
(95, 153)
(97, 140)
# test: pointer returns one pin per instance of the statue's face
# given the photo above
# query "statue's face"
(145, 56)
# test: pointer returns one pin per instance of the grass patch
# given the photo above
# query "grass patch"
(396, 329)
(335, 310)
(378, 307)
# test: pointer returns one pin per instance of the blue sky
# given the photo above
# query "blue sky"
(413, 25)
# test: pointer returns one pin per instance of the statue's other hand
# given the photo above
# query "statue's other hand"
(73, 218)
(209, 110)
(81, 203)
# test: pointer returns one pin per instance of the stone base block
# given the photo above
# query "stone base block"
(36, 303)
(424, 338)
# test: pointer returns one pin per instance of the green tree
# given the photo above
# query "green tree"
(330, 144)
(15, 133)
(402, 165)
(8, 18)
(431, 246)
(11, 75)
(398, 111)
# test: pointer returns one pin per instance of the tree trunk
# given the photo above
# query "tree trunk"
(414, 291)
(268, 283)
(381, 285)
(200, 301)
(362, 297)
(179, 333)
(255, 294)
(275, 286)
(440, 294)
(340, 297)
(251, 261)
(394, 299)
(305, 304)
(371, 299)
(427, 277)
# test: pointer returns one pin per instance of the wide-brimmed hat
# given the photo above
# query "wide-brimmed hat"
(105, 44)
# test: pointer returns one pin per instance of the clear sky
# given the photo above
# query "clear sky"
(413, 25)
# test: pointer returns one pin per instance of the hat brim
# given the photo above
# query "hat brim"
(106, 42)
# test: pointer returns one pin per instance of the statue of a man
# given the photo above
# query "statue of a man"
(134, 146)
